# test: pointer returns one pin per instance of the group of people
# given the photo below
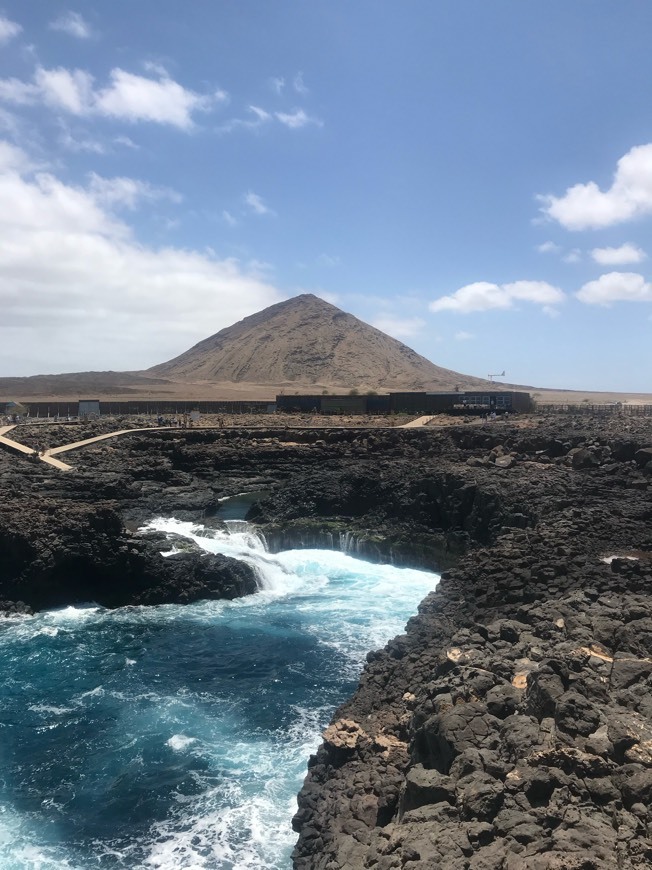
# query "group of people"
(183, 421)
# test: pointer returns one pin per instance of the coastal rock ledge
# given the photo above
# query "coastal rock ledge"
(510, 727)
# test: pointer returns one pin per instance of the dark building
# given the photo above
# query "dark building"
(479, 402)
(89, 409)
(344, 404)
(307, 404)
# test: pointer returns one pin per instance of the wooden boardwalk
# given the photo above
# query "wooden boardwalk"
(420, 421)
(75, 444)
(49, 456)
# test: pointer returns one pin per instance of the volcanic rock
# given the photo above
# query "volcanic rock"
(310, 341)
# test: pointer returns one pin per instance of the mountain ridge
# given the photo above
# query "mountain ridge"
(310, 341)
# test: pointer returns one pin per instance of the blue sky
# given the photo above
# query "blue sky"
(474, 178)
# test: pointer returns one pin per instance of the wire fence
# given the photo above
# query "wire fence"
(614, 409)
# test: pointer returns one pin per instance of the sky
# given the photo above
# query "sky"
(471, 177)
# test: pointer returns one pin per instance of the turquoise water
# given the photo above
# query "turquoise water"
(177, 737)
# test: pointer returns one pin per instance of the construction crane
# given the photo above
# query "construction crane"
(497, 375)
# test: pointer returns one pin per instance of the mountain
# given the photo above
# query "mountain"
(307, 341)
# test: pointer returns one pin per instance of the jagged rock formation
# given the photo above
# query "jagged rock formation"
(51, 557)
(308, 341)
(510, 727)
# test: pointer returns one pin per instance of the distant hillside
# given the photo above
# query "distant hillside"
(301, 345)
(308, 341)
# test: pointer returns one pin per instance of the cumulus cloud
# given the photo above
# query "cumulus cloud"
(64, 89)
(8, 29)
(621, 256)
(73, 24)
(163, 101)
(399, 327)
(585, 206)
(484, 296)
(573, 256)
(13, 159)
(78, 291)
(616, 287)
(128, 97)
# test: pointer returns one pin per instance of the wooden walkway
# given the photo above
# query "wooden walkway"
(49, 456)
(420, 421)
(29, 451)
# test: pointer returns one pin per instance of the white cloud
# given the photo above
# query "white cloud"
(399, 327)
(163, 101)
(277, 84)
(299, 85)
(329, 260)
(464, 336)
(484, 296)
(228, 218)
(156, 68)
(548, 248)
(8, 29)
(261, 114)
(80, 143)
(73, 24)
(126, 141)
(257, 117)
(260, 117)
(573, 256)
(585, 206)
(127, 193)
(621, 256)
(297, 119)
(616, 287)
(60, 88)
(257, 204)
(21, 93)
(13, 159)
(78, 291)
(128, 97)
(9, 123)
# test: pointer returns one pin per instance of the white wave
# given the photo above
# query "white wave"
(45, 708)
(74, 613)
(239, 540)
(17, 849)
(244, 791)
(97, 692)
(179, 742)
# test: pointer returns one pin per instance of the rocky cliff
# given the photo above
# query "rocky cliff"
(511, 725)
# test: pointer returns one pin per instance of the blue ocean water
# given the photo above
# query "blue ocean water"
(176, 737)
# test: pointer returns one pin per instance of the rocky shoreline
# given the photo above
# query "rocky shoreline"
(510, 727)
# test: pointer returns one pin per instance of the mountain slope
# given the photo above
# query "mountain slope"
(306, 341)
